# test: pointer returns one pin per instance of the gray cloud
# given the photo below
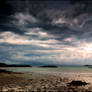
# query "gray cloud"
(46, 32)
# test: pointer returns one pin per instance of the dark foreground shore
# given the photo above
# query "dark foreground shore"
(19, 82)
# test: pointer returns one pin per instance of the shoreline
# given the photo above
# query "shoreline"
(38, 82)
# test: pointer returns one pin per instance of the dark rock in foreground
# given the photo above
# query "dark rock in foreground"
(9, 72)
(77, 83)
(3, 71)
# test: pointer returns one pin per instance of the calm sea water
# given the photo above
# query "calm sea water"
(79, 73)
(79, 69)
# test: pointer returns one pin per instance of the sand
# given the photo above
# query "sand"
(12, 82)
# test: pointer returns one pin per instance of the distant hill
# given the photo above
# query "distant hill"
(19, 66)
(87, 65)
(3, 65)
(50, 66)
(13, 65)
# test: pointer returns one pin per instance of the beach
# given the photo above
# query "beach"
(37, 82)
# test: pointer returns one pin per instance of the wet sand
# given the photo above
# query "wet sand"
(12, 82)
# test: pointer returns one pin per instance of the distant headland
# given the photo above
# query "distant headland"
(13, 65)
(89, 66)
(49, 66)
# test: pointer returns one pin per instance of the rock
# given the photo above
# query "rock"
(77, 83)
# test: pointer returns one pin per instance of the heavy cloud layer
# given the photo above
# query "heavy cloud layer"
(48, 32)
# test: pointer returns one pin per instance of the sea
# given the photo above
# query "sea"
(72, 72)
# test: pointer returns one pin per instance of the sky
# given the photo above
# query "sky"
(46, 32)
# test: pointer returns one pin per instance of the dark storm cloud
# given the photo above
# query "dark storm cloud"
(43, 31)
(46, 12)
